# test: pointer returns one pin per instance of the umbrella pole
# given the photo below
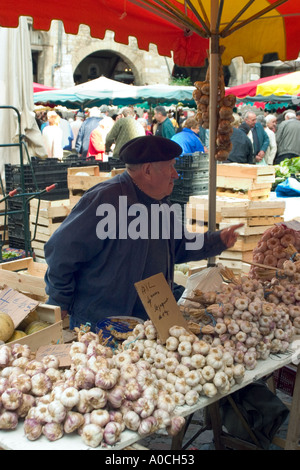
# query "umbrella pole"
(213, 77)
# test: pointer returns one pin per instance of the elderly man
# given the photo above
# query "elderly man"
(288, 138)
(112, 239)
(122, 131)
(258, 136)
(165, 127)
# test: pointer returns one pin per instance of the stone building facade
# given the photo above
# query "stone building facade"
(62, 60)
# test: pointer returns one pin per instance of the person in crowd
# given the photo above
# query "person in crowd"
(271, 121)
(122, 131)
(173, 120)
(146, 115)
(52, 136)
(298, 115)
(98, 137)
(188, 138)
(76, 125)
(288, 138)
(100, 251)
(165, 127)
(242, 149)
(144, 123)
(84, 133)
(258, 136)
(67, 132)
(272, 149)
(180, 117)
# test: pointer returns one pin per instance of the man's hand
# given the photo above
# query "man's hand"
(260, 156)
(229, 235)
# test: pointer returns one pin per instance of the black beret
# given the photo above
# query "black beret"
(149, 148)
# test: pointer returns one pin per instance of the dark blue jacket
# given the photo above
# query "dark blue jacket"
(83, 137)
(94, 279)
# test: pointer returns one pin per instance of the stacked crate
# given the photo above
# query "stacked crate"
(44, 220)
(245, 181)
(3, 224)
(192, 169)
(257, 217)
(83, 178)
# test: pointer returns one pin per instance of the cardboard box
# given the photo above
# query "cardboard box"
(53, 334)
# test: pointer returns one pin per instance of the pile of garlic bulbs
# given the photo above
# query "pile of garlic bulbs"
(105, 392)
(254, 319)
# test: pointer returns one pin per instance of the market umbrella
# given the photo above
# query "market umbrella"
(96, 92)
(40, 87)
(103, 90)
(288, 84)
(279, 90)
(250, 88)
(188, 28)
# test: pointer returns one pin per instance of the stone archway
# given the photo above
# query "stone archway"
(89, 51)
(107, 63)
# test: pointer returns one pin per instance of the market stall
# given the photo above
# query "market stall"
(110, 389)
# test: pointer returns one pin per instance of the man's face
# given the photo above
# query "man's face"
(272, 124)
(158, 116)
(163, 176)
(251, 120)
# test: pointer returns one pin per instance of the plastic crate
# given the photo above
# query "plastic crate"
(284, 379)
(194, 188)
(186, 177)
(192, 161)
(115, 163)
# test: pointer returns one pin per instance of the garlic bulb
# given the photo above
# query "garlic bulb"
(11, 399)
(69, 397)
(132, 420)
(33, 429)
(53, 431)
(8, 420)
(112, 432)
(100, 417)
(92, 435)
(73, 421)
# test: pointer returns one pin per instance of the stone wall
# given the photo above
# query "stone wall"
(59, 54)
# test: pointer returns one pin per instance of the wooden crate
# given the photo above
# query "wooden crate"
(234, 209)
(3, 224)
(44, 220)
(261, 194)
(241, 170)
(245, 181)
(25, 276)
(53, 334)
(80, 179)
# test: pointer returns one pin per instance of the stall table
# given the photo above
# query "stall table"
(16, 440)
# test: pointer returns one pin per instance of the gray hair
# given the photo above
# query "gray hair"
(161, 110)
(128, 112)
(290, 115)
(133, 166)
(262, 120)
(269, 117)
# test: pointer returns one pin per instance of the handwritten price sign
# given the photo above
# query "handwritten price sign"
(160, 304)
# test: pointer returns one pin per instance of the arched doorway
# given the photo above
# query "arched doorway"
(104, 62)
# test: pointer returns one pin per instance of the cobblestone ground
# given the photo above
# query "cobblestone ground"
(205, 441)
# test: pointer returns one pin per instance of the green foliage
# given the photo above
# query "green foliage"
(287, 168)
(181, 81)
